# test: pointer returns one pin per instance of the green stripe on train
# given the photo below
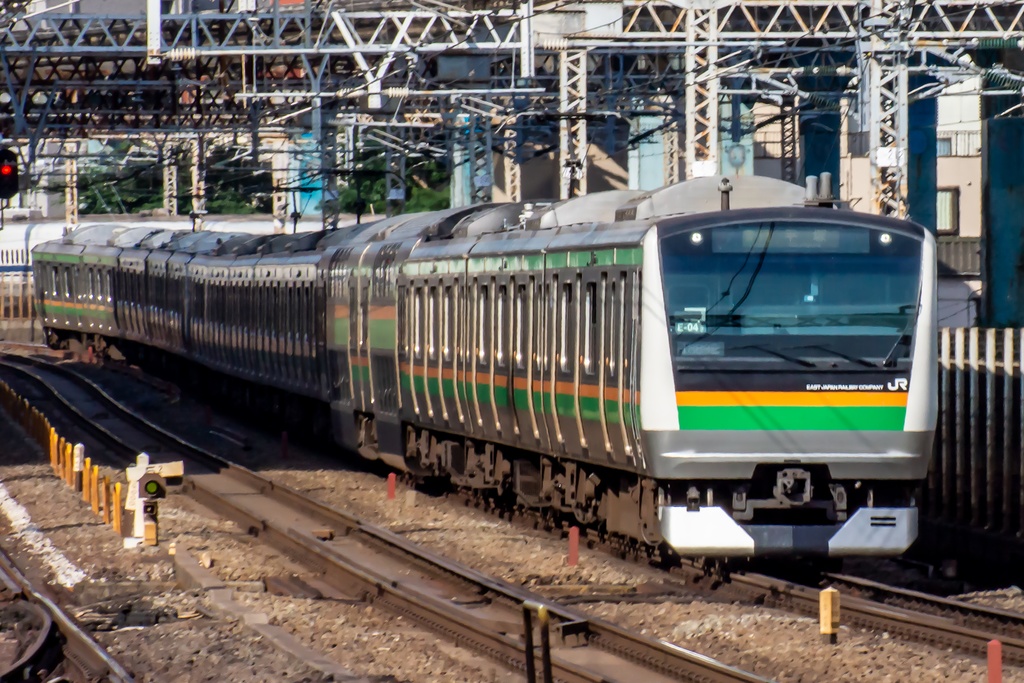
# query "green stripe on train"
(589, 407)
(341, 337)
(382, 334)
(792, 418)
(72, 310)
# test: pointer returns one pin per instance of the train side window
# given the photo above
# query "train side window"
(589, 327)
(53, 282)
(400, 313)
(540, 348)
(519, 323)
(432, 324)
(499, 325)
(417, 323)
(482, 303)
(446, 324)
(364, 316)
(565, 304)
(353, 314)
(616, 330)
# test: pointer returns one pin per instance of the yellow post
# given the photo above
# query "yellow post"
(117, 508)
(53, 449)
(94, 495)
(828, 615)
(60, 455)
(86, 475)
(106, 500)
(69, 464)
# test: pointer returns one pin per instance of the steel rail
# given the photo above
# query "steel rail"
(919, 617)
(965, 632)
(83, 658)
(486, 613)
(1004, 622)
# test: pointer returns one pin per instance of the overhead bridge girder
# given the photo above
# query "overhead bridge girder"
(831, 20)
(288, 72)
(72, 74)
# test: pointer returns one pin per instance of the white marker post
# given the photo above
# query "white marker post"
(134, 474)
(78, 464)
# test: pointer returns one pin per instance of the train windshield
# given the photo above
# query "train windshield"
(791, 294)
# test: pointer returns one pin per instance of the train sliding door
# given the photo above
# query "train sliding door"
(339, 339)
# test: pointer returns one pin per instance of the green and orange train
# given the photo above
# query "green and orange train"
(716, 368)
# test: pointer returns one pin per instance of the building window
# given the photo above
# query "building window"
(947, 214)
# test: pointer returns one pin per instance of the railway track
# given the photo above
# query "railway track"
(43, 642)
(920, 617)
(911, 615)
(376, 565)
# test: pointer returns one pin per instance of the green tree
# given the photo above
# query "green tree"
(426, 187)
(233, 185)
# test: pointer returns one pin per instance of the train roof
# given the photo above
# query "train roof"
(610, 217)
(159, 239)
(598, 207)
(704, 195)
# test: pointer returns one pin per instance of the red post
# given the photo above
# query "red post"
(89, 357)
(284, 445)
(574, 546)
(392, 482)
(995, 661)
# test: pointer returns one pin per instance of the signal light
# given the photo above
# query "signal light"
(9, 181)
(152, 487)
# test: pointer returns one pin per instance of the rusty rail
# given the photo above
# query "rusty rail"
(59, 643)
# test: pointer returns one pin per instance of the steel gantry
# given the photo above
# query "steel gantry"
(539, 75)
(572, 109)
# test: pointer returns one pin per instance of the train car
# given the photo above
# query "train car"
(19, 238)
(720, 368)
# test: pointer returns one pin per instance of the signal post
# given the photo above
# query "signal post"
(147, 484)
(10, 181)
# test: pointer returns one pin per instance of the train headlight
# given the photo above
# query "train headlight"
(696, 238)
(885, 238)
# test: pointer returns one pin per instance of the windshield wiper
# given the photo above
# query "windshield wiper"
(890, 358)
(839, 354)
(778, 354)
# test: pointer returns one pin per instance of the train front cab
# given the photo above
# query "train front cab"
(788, 381)
(57, 289)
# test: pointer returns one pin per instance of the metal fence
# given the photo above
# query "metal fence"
(976, 475)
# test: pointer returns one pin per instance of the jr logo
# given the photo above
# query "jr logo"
(898, 384)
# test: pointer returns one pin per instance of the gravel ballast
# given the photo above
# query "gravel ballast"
(769, 642)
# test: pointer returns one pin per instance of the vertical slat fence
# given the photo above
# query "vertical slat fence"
(978, 468)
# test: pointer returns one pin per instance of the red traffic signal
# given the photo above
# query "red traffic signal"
(9, 184)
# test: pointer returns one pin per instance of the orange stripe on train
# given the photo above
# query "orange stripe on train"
(824, 399)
